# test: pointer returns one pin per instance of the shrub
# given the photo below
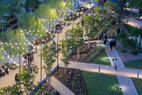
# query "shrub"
(45, 85)
(126, 42)
(45, 93)
(53, 92)
(134, 31)
(37, 93)
(122, 35)
(123, 50)
(134, 52)
(98, 51)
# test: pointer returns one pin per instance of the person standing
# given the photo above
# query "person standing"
(30, 68)
(118, 31)
(32, 63)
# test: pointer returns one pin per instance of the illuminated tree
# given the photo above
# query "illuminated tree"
(27, 79)
(65, 52)
(48, 56)
(76, 39)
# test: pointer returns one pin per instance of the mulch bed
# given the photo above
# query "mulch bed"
(88, 55)
(43, 90)
(127, 56)
(72, 79)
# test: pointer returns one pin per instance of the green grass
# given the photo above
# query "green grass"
(134, 64)
(101, 84)
(101, 59)
(138, 85)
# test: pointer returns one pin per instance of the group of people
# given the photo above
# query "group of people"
(108, 44)
(28, 61)
(3, 70)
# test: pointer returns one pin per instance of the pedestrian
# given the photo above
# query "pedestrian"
(114, 43)
(111, 45)
(6, 70)
(104, 42)
(23, 59)
(25, 63)
(104, 36)
(16, 79)
(118, 31)
(32, 63)
(107, 45)
(30, 68)
(101, 36)
(113, 63)
(31, 58)
(116, 64)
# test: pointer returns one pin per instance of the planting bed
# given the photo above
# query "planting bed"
(43, 90)
(88, 54)
(72, 79)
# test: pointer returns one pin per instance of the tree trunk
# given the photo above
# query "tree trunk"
(78, 53)
(88, 42)
(65, 69)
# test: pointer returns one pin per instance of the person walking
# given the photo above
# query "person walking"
(16, 79)
(104, 42)
(111, 45)
(107, 45)
(116, 64)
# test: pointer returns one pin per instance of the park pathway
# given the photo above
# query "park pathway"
(125, 82)
(135, 23)
(106, 69)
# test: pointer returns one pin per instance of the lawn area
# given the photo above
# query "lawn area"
(134, 64)
(101, 84)
(101, 59)
(138, 85)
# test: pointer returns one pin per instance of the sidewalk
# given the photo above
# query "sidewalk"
(125, 82)
(135, 23)
(63, 90)
(106, 69)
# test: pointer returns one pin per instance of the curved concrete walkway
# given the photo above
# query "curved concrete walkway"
(125, 82)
